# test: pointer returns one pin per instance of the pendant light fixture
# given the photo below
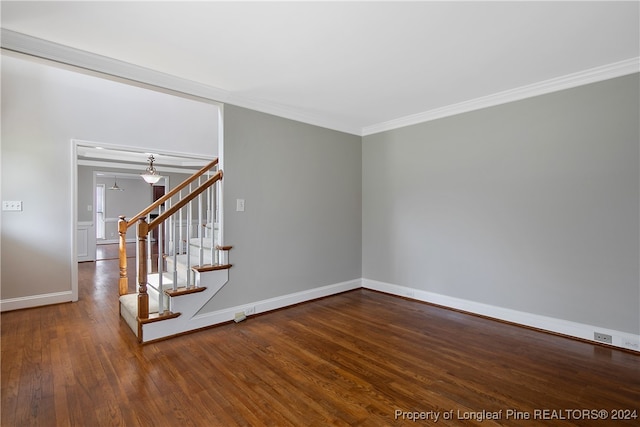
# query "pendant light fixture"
(150, 175)
(115, 187)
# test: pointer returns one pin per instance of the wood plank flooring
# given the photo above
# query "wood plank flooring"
(111, 251)
(358, 358)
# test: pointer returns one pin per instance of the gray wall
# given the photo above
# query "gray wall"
(136, 196)
(43, 109)
(302, 225)
(532, 205)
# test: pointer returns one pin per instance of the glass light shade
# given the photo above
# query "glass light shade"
(151, 178)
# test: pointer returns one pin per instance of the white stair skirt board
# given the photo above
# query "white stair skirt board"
(560, 326)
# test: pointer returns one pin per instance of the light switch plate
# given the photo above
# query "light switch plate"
(11, 205)
(240, 205)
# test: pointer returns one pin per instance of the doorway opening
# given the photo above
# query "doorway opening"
(109, 185)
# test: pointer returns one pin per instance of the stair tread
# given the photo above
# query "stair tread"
(157, 317)
(184, 291)
(130, 303)
(167, 283)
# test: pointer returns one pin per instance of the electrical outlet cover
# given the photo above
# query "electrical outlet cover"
(600, 337)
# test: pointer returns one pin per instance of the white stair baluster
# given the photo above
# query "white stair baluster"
(208, 203)
(169, 233)
(189, 226)
(149, 260)
(167, 236)
(160, 266)
(180, 236)
(175, 259)
(214, 220)
(201, 229)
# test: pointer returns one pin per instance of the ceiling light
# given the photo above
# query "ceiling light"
(115, 186)
(150, 175)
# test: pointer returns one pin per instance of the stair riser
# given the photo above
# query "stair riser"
(181, 272)
(181, 264)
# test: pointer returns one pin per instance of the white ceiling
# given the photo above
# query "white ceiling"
(358, 67)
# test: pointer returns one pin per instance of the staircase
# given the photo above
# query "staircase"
(190, 265)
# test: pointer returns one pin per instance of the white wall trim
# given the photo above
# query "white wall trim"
(605, 72)
(73, 184)
(36, 300)
(263, 306)
(220, 193)
(560, 326)
(45, 49)
(40, 48)
(86, 241)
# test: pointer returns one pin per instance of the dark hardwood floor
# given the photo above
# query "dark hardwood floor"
(358, 358)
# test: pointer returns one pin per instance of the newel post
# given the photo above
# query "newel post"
(123, 283)
(143, 297)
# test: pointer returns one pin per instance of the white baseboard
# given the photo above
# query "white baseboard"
(228, 314)
(560, 326)
(35, 301)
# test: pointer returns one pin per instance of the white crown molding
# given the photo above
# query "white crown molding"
(45, 49)
(592, 75)
(40, 48)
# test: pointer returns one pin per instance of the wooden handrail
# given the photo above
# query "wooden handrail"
(181, 203)
(124, 224)
(171, 193)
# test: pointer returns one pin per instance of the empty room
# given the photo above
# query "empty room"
(320, 213)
